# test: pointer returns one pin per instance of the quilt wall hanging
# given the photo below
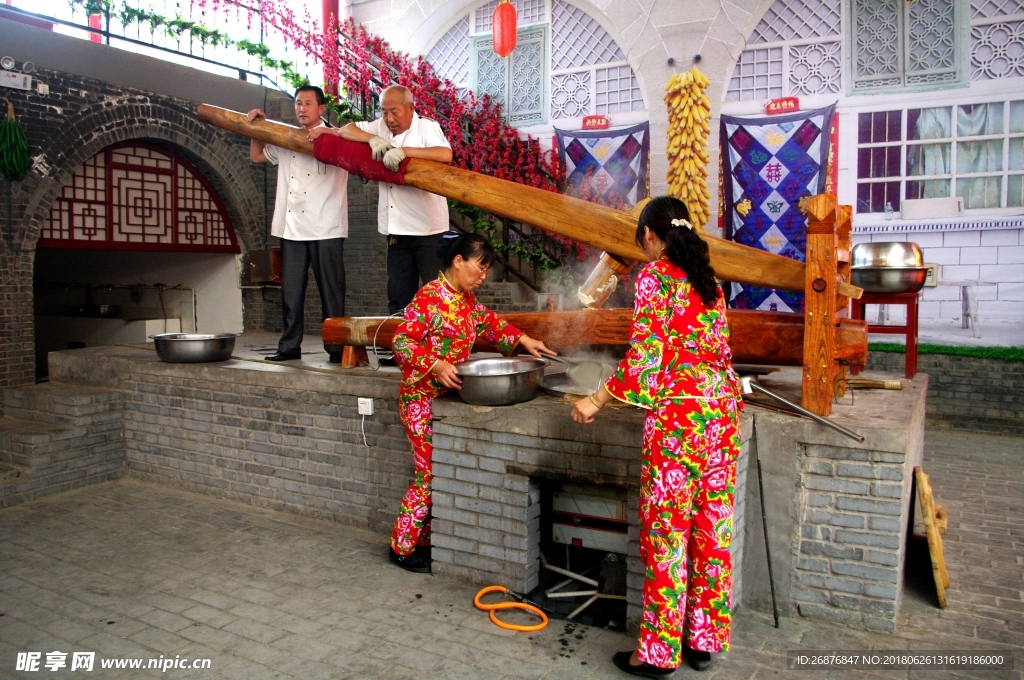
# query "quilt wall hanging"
(606, 166)
(768, 164)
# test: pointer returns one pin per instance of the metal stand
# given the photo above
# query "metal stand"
(557, 592)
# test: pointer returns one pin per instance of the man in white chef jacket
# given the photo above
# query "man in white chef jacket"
(412, 219)
(311, 219)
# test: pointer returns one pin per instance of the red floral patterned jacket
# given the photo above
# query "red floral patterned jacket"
(440, 323)
(679, 347)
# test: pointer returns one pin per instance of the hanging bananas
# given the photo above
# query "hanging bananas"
(14, 158)
(689, 124)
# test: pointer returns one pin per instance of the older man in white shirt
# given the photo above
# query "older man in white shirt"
(412, 219)
(311, 219)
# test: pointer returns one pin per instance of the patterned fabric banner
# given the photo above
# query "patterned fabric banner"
(769, 164)
(606, 166)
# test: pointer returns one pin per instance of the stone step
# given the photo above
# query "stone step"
(71, 405)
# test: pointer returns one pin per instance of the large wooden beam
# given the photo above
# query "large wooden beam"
(602, 227)
(755, 337)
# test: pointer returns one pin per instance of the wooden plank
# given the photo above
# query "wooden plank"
(610, 230)
(755, 337)
(938, 560)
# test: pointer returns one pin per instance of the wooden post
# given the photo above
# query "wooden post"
(844, 260)
(820, 300)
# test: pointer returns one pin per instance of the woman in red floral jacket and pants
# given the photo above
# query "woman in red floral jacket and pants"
(679, 368)
(438, 330)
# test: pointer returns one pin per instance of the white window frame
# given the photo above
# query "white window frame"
(953, 175)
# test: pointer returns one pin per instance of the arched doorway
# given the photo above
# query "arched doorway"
(137, 242)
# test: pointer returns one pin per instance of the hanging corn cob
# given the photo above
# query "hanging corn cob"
(689, 123)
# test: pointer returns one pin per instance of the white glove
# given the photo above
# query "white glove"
(380, 146)
(393, 158)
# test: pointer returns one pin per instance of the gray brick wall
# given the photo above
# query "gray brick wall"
(56, 438)
(487, 467)
(967, 392)
(853, 517)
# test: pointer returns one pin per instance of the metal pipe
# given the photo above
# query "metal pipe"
(764, 526)
(749, 386)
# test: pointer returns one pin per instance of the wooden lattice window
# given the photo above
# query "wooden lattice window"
(137, 196)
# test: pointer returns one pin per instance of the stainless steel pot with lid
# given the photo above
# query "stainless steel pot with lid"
(501, 381)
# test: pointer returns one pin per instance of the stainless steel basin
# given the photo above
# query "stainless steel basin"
(889, 280)
(194, 348)
(501, 381)
(888, 267)
(887, 254)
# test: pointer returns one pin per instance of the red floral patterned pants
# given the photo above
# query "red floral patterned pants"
(412, 527)
(688, 479)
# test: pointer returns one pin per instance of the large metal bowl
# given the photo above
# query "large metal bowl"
(194, 348)
(500, 381)
(889, 280)
(886, 254)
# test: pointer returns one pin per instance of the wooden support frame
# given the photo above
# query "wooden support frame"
(820, 304)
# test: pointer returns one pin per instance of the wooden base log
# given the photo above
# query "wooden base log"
(773, 338)
(604, 228)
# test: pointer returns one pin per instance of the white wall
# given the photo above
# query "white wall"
(213, 276)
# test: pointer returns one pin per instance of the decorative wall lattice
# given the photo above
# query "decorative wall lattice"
(616, 90)
(135, 196)
(584, 67)
(578, 40)
(897, 44)
(450, 55)
(815, 68)
(997, 51)
(799, 20)
(758, 75)
(995, 8)
(527, 12)
(570, 95)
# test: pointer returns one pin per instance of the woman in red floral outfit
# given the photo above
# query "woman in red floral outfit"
(440, 326)
(678, 367)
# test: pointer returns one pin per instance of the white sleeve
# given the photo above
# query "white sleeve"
(368, 126)
(273, 153)
(433, 136)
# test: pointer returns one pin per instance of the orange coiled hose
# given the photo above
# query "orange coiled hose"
(491, 608)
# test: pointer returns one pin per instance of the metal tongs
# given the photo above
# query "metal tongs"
(749, 387)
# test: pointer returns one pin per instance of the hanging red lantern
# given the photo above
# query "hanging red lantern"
(503, 28)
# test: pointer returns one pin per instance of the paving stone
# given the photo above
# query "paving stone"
(330, 605)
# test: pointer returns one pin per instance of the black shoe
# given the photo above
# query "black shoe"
(414, 562)
(697, 659)
(644, 670)
(284, 356)
(335, 357)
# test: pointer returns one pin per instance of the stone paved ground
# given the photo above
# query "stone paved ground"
(130, 569)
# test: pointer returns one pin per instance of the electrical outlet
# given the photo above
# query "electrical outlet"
(365, 406)
(42, 88)
(932, 278)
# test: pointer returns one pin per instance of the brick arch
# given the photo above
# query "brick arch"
(219, 156)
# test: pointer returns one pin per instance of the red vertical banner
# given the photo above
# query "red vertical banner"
(330, 9)
(832, 176)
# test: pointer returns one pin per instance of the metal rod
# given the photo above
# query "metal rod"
(573, 593)
(572, 575)
(813, 416)
(582, 607)
(764, 526)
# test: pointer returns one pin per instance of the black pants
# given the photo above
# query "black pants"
(411, 259)
(326, 258)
